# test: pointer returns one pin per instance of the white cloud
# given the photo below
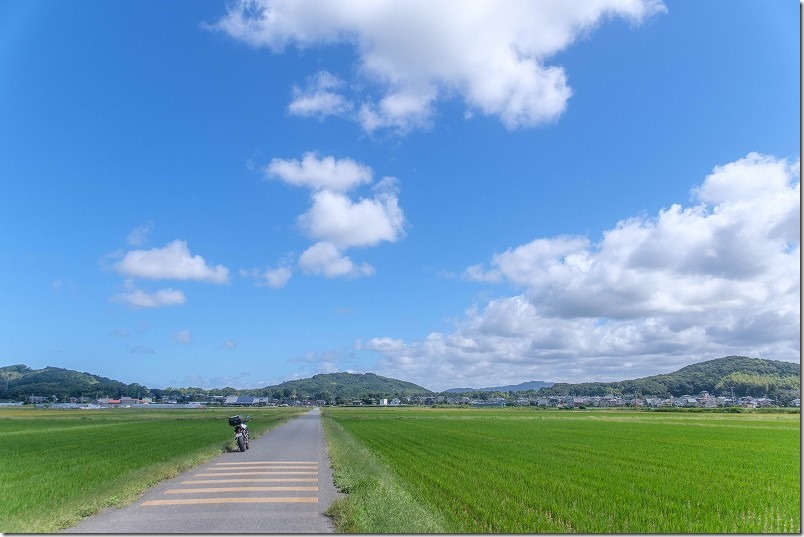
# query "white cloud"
(319, 99)
(719, 278)
(492, 54)
(173, 261)
(139, 236)
(324, 258)
(274, 278)
(334, 219)
(278, 277)
(184, 337)
(326, 173)
(140, 299)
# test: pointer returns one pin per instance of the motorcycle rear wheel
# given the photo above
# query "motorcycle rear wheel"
(241, 444)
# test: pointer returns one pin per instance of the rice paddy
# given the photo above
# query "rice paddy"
(526, 471)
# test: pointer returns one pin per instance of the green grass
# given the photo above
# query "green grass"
(59, 466)
(525, 471)
(375, 499)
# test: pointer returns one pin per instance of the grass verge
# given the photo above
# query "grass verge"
(376, 502)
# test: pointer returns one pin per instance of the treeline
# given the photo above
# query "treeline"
(746, 376)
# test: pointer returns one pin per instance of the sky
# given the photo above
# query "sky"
(456, 194)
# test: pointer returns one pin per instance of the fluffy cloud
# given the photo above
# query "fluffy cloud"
(325, 173)
(140, 299)
(278, 277)
(334, 219)
(320, 99)
(274, 278)
(326, 259)
(718, 278)
(337, 219)
(173, 261)
(490, 53)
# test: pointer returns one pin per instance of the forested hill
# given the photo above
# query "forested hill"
(344, 386)
(20, 381)
(747, 376)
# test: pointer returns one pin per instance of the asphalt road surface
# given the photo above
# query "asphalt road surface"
(282, 484)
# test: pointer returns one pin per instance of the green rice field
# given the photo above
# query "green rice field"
(532, 471)
(57, 466)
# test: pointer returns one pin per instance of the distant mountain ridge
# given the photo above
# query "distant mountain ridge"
(18, 382)
(522, 387)
(746, 376)
(743, 375)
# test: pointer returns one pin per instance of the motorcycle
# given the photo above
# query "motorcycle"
(240, 431)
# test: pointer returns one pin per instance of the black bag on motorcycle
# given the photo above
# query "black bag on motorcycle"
(235, 420)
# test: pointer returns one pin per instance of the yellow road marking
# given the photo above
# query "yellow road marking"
(229, 468)
(268, 462)
(240, 489)
(303, 499)
(255, 480)
(255, 473)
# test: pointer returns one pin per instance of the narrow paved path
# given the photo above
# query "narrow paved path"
(282, 484)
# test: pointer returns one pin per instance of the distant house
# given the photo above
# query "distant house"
(132, 401)
(764, 402)
(243, 400)
(497, 401)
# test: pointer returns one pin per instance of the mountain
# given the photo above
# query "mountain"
(345, 386)
(747, 376)
(20, 381)
(17, 382)
(743, 375)
(523, 387)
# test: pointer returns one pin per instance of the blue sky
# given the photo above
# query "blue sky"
(210, 193)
